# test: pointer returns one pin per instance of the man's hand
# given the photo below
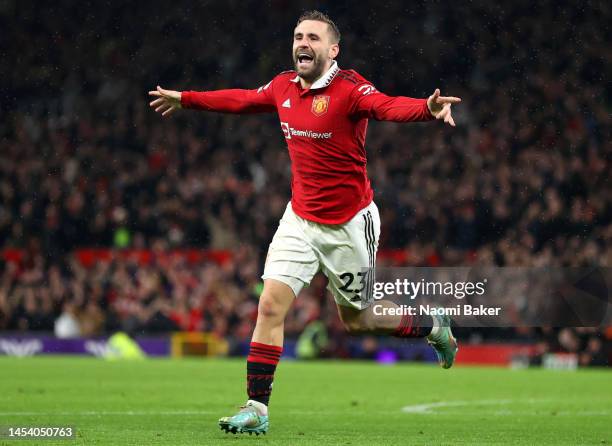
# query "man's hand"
(167, 100)
(440, 106)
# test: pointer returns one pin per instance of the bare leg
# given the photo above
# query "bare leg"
(274, 303)
(267, 342)
(365, 321)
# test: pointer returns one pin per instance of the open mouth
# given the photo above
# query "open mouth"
(304, 60)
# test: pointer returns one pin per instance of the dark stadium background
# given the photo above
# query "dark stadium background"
(118, 220)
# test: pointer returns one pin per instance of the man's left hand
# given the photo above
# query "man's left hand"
(440, 106)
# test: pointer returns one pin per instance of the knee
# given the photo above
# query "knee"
(269, 307)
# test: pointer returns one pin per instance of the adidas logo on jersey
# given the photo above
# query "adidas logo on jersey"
(287, 103)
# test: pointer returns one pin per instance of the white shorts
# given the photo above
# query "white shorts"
(345, 253)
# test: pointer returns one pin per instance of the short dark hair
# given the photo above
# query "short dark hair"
(321, 17)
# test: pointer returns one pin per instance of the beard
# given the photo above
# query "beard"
(313, 72)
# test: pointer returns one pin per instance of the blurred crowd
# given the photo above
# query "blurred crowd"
(522, 181)
(168, 295)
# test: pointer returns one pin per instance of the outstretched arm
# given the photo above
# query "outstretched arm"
(369, 102)
(227, 101)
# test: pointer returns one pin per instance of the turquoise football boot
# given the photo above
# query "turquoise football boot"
(443, 342)
(248, 419)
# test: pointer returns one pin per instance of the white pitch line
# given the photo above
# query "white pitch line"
(428, 408)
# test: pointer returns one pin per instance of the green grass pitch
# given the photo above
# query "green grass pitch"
(178, 402)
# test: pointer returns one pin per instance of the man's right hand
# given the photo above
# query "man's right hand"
(167, 100)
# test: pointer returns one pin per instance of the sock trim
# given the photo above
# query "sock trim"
(264, 354)
(408, 327)
(275, 348)
(404, 327)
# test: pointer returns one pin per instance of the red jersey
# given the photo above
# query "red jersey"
(325, 130)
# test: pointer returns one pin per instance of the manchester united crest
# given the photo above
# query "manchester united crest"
(320, 104)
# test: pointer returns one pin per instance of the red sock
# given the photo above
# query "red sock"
(261, 365)
(413, 326)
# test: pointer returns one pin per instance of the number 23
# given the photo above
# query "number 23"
(349, 278)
